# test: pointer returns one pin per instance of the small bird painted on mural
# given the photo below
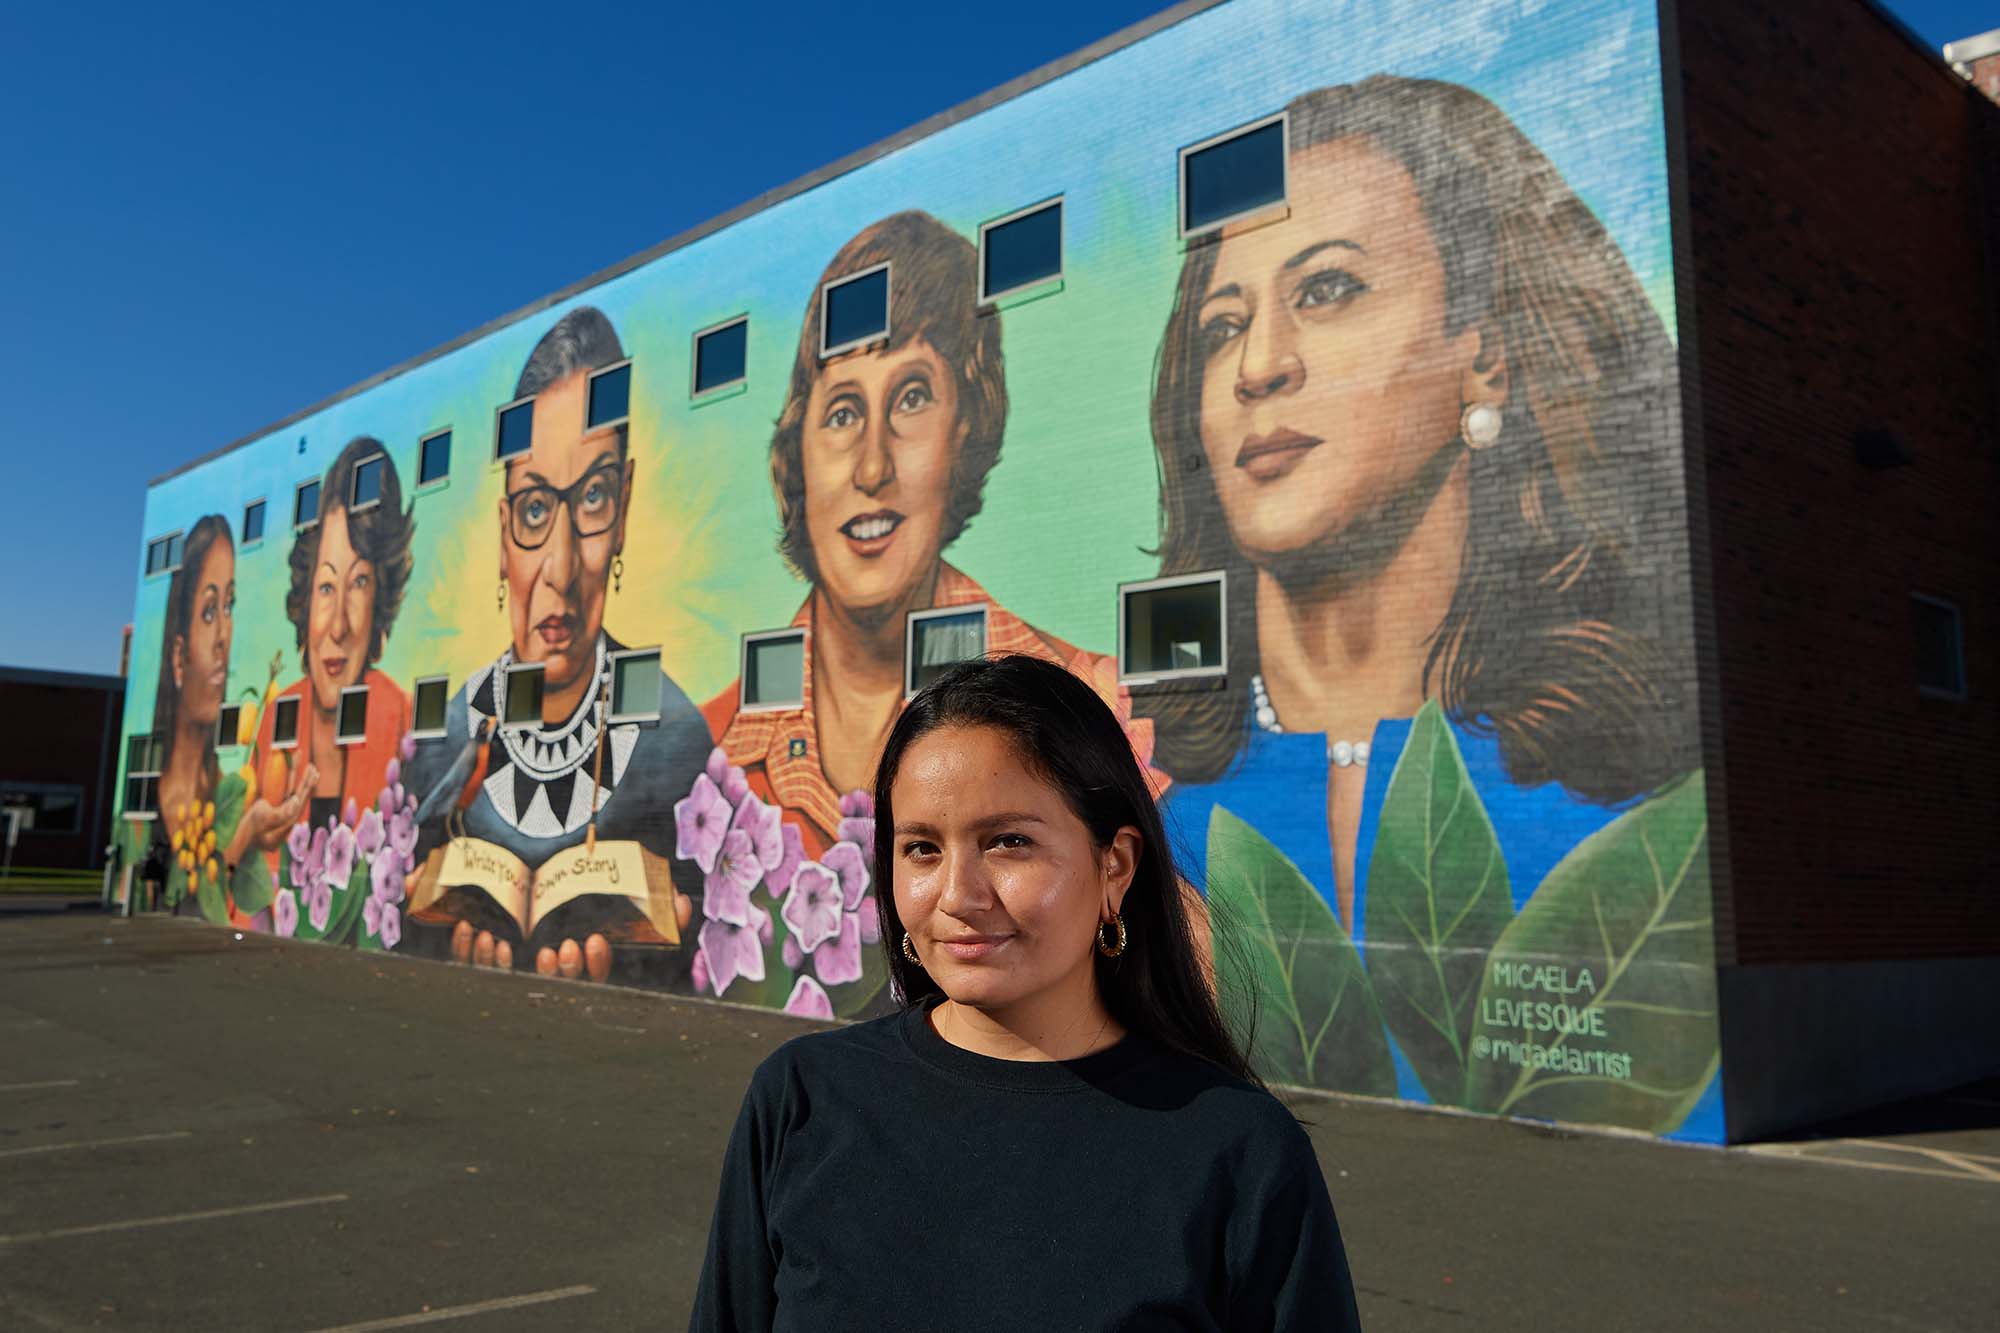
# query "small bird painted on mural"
(460, 784)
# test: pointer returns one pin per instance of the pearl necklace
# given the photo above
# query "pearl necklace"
(1340, 754)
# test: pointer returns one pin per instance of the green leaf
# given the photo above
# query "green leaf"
(1621, 937)
(177, 881)
(208, 896)
(1288, 974)
(251, 884)
(228, 809)
(851, 999)
(1437, 899)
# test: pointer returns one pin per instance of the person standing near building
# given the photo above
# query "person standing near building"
(1056, 1130)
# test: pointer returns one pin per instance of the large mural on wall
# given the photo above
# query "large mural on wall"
(1445, 808)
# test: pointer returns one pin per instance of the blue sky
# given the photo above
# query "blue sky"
(211, 218)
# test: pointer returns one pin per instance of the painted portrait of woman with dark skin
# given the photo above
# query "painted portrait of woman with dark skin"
(1423, 424)
(194, 673)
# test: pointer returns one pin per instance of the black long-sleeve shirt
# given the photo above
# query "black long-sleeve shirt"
(881, 1178)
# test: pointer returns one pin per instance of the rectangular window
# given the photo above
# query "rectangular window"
(142, 775)
(45, 807)
(936, 640)
(427, 710)
(635, 685)
(434, 458)
(366, 490)
(1940, 647)
(854, 311)
(285, 722)
(305, 504)
(253, 522)
(226, 724)
(1172, 627)
(720, 355)
(351, 723)
(1020, 250)
(610, 396)
(163, 554)
(774, 670)
(514, 429)
(1233, 175)
(521, 687)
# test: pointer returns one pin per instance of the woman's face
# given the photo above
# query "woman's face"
(880, 436)
(204, 664)
(1328, 381)
(555, 590)
(997, 881)
(341, 615)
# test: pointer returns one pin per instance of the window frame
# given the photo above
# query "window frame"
(225, 737)
(887, 267)
(355, 506)
(443, 433)
(985, 610)
(743, 704)
(1216, 576)
(165, 541)
(278, 705)
(1062, 250)
(153, 756)
(319, 503)
(590, 382)
(1958, 644)
(507, 674)
(39, 790)
(612, 717)
(248, 505)
(443, 680)
(500, 412)
(695, 392)
(1283, 201)
(340, 736)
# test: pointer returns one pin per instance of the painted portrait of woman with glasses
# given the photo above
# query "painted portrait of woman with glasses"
(530, 751)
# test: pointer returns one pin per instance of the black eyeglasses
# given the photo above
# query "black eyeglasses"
(592, 498)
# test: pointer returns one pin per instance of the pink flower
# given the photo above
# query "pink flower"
(859, 830)
(701, 818)
(762, 824)
(733, 951)
(299, 841)
(350, 814)
(403, 835)
(858, 802)
(726, 889)
(699, 973)
(393, 774)
(727, 777)
(839, 959)
(813, 908)
(385, 878)
(778, 878)
(369, 834)
(793, 955)
(809, 1000)
(339, 857)
(371, 914)
(391, 927)
(319, 905)
(845, 860)
(871, 920)
(285, 913)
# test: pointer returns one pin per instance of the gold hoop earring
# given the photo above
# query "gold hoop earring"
(500, 598)
(617, 572)
(910, 953)
(1110, 951)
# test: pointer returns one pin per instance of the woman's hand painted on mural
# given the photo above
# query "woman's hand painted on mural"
(265, 824)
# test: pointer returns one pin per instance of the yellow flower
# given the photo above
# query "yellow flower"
(208, 815)
(214, 872)
(207, 841)
(181, 813)
(179, 839)
(187, 861)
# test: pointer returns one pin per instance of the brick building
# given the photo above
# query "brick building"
(1571, 419)
(58, 765)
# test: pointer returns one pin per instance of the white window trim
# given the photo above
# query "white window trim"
(985, 610)
(1125, 590)
(506, 682)
(416, 688)
(591, 383)
(1062, 248)
(166, 540)
(1958, 620)
(355, 506)
(356, 738)
(888, 300)
(695, 390)
(445, 432)
(278, 705)
(319, 505)
(1283, 200)
(611, 661)
(131, 773)
(501, 411)
(743, 704)
(248, 505)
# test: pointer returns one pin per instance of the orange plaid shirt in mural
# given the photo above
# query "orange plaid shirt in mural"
(778, 750)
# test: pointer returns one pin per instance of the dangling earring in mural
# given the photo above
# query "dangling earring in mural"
(910, 953)
(617, 572)
(1479, 425)
(500, 598)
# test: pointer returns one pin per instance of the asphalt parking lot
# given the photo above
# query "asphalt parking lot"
(201, 1131)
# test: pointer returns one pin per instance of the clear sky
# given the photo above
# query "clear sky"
(214, 216)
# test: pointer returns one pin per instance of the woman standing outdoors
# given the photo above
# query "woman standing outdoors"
(1057, 1130)
(1425, 425)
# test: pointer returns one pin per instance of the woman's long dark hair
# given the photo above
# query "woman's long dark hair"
(1064, 732)
(181, 596)
(1559, 638)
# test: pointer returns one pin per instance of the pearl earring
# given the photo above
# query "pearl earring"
(1479, 426)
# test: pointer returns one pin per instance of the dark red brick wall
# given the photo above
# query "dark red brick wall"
(1841, 187)
(61, 731)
